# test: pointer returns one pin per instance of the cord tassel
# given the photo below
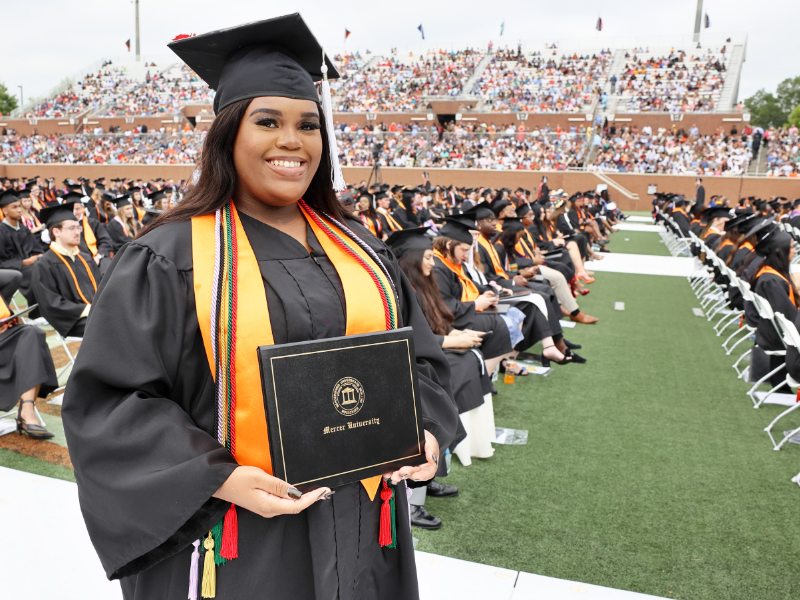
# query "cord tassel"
(393, 518)
(193, 571)
(216, 534)
(209, 570)
(385, 533)
(327, 107)
(230, 535)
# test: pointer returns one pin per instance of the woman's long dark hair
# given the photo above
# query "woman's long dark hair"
(778, 259)
(217, 181)
(433, 307)
(508, 240)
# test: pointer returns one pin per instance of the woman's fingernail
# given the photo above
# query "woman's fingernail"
(294, 493)
(329, 495)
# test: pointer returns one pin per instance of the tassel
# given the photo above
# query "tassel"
(741, 321)
(392, 517)
(408, 498)
(385, 533)
(230, 535)
(209, 570)
(327, 108)
(217, 533)
(193, 571)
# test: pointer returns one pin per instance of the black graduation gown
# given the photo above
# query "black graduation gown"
(682, 221)
(498, 342)
(17, 245)
(25, 362)
(776, 291)
(147, 463)
(104, 244)
(59, 301)
(117, 235)
(713, 240)
(571, 234)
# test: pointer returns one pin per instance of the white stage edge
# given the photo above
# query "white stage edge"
(644, 264)
(48, 509)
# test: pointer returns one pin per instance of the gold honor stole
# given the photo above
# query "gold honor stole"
(88, 235)
(498, 268)
(772, 271)
(469, 290)
(365, 313)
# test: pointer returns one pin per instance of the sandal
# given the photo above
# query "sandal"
(36, 432)
(520, 372)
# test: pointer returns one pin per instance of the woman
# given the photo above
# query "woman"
(469, 377)
(26, 371)
(124, 226)
(368, 216)
(153, 494)
(576, 245)
(716, 217)
(30, 218)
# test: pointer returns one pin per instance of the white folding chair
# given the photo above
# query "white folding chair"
(791, 338)
(766, 313)
(70, 356)
(735, 314)
(796, 479)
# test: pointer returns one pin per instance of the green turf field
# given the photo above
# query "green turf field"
(637, 242)
(646, 469)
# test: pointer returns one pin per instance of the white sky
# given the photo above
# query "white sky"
(52, 39)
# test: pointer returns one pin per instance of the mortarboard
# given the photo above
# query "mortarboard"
(457, 230)
(478, 213)
(409, 240)
(717, 212)
(8, 198)
(122, 201)
(523, 209)
(53, 215)
(740, 221)
(498, 205)
(772, 239)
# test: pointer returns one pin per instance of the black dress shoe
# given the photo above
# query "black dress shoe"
(579, 360)
(32, 430)
(572, 346)
(423, 519)
(441, 490)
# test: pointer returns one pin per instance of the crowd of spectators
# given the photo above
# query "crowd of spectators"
(672, 83)
(162, 93)
(393, 85)
(514, 81)
(783, 152)
(169, 147)
(673, 152)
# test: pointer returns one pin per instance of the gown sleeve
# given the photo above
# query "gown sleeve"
(137, 413)
(105, 245)
(62, 313)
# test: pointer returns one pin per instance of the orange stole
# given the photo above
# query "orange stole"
(772, 271)
(469, 290)
(748, 246)
(4, 311)
(365, 314)
(88, 235)
(498, 268)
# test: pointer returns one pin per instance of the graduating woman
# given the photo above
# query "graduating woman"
(169, 442)
(124, 226)
(26, 372)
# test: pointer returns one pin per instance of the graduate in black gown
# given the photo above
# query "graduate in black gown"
(26, 372)
(65, 279)
(19, 249)
(153, 474)
(123, 227)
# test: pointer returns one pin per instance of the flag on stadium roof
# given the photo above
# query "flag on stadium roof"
(708, 21)
(421, 31)
(502, 28)
(347, 33)
(599, 25)
(128, 44)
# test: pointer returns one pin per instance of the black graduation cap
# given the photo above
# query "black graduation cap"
(758, 227)
(457, 230)
(771, 240)
(498, 205)
(478, 212)
(157, 196)
(740, 221)
(151, 214)
(23, 194)
(717, 212)
(8, 198)
(53, 215)
(72, 197)
(275, 57)
(409, 240)
(122, 201)
(513, 223)
(523, 209)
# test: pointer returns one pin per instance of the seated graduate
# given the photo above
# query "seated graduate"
(191, 468)
(95, 240)
(388, 222)
(65, 279)
(578, 220)
(512, 251)
(124, 226)
(26, 372)
(773, 283)
(716, 217)
(410, 212)
(470, 301)
(569, 233)
(19, 249)
(30, 218)
(367, 215)
(680, 217)
(95, 205)
(549, 239)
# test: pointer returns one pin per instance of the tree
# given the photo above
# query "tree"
(8, 102)
(788, 94)
(765, 110)
(794, 116)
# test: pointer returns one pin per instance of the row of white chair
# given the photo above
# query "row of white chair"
(714, 299)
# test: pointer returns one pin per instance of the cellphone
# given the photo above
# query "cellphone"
(425, 174)
(485, 333)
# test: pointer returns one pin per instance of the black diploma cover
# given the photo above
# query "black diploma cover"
(342, 409)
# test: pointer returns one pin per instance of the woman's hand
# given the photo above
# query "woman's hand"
(423, 472)
(558, 242)
(486, 300)
(260, 493)
(463, 340)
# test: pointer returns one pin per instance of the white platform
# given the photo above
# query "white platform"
(644, 264)
(637, 227)
(49, 508)
(635, 219)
